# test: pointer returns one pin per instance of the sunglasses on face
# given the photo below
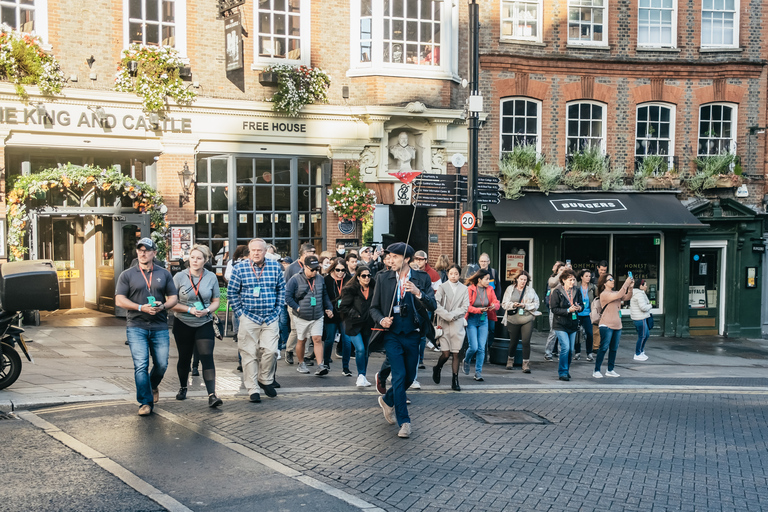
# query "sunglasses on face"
(314, 269)
(339, 269)
(365, 276)
(609, 279)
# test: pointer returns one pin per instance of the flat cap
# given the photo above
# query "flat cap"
(402, 249)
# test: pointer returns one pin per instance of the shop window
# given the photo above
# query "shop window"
(716, 129)
(586, 126)
(156, 23)
(521, 19)
(657, 23)
(283, 31)
(520, 122)
(402, 37)
(587, 22)
(654, 132)
(585, 250)
(719, 23)
(641, 255)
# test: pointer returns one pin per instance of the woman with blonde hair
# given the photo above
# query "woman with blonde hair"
(193, 326)
(441, 267)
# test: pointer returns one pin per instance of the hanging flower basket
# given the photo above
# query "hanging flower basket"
(81, 180)
(23, 62)
(297, 86)
(351, 199)
(152, 72)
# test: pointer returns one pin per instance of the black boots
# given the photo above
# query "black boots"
(455, 382)
(436, 374)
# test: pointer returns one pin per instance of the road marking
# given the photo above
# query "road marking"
(105, 462)
(269, 462)
(78, 406)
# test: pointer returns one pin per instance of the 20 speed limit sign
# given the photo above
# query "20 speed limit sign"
(468, 221)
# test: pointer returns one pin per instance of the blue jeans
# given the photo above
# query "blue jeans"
(284, 325)
(609, 339)
(359, 340)
(643, 328)
(143, 344)
(586, 323)
(567, 341)
(330, 335)
(403, 356)
(477, 333)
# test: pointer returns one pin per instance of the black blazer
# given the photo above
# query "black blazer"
(384, 295)
(356, 309)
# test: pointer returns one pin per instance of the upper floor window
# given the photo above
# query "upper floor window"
(520, 122)
(18, 14)
(585, 126)
(717, 129)
(402, 37)
(279, 29)
(719, 23)
(587, 22)
(654, 132)
(521, 19)
(156, 23)
(657, 23)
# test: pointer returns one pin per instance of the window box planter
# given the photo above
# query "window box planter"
(268, 79)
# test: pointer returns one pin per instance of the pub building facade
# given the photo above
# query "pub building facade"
(394, 70)
(677, 80)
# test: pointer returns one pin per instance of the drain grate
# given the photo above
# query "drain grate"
(495, 417)
(7, 416)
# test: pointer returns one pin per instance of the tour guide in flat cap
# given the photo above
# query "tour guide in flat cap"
(401, 301)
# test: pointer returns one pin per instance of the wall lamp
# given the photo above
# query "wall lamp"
(187, 178)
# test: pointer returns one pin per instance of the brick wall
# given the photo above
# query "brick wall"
(169, 185)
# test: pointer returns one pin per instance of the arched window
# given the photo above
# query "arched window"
(654, 132)
(520, 123)
(717, 129)
(585, 126)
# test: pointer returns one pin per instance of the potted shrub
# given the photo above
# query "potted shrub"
(524, 167)
(296, 87)
(721, 170)
(350, 199)
(590, 167)
(23, 62)
(654, 172)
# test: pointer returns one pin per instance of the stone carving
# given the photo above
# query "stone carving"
(415, 107)
(438, 159)
(403, 152)
(368, 162)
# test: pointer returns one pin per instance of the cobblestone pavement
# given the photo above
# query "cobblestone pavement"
(593, 450)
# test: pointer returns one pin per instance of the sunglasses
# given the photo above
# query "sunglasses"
(365, 276)
(314, 269)
(609, 279)
(339, 269)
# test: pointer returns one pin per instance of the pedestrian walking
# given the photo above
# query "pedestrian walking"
(256, 293)
(485, 263)
(305, 294)
(401, 302)
(332, 329)
(565, 304)
(193, 326)
(640, 312)
(521, 306)
(610, 321)
(293, 269)
(552, 283)
(146, 292)
(355, 307)
(452, 300)
(441, 267)
(482, 301)
(588, 293)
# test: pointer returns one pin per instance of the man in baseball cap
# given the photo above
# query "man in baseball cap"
(147, 243)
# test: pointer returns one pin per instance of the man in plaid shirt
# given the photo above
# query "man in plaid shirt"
(256, 293)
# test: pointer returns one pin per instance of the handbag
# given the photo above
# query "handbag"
(596, 312)
(217, 328)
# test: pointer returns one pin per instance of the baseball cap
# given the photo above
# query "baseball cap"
(287, 260)
(420, 254)
(147, 243)
(311, 261)
(365, 248)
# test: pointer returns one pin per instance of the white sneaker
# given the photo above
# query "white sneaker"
(641, 357)
(405, 431)
(415, 385)
(612, 373)
(362, 382)
(279, 357)
(430, 345)
(597, 375)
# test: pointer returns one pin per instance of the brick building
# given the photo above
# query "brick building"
(394, 69)
(636, 79)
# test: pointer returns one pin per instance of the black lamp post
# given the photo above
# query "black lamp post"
(475, 106)
(186, 177)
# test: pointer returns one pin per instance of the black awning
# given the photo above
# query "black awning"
(615, 210)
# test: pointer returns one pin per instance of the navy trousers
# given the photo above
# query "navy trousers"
(403, 356)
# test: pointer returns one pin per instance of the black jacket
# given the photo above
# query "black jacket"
(558, 306)
(332, 289)
(356, 309)
(384, 295)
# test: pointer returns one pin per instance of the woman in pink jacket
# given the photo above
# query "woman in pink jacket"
(482, 303)
(610, 321)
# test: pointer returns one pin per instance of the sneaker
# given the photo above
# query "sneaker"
(255, 398)
(430, 344)
(362, 381)
(422, 366)
(155, 395)
(641, 357)
(612, 373)
(577, 357)
(415, 385)
(302, 368)
(548, 357)
(214, 401)
(275, 384)
(597, 375)
(405, 431)
(466, 367)
(322, 370)
(269, 389)
(564, 377)
(279, 357)
(145, 410)
(195, 372)
(289, 358)
(309, 362)
(436, 350)
(590, 356)
(381, 387)
(389, 412)
(407, 400)
(182, 394)
(345, 372)
(478, 377)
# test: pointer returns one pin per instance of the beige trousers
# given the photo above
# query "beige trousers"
(257, 344)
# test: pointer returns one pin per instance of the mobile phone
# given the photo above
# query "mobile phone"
(568, 263)
(629, 275)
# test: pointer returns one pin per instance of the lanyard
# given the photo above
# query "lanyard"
(477, 296)
(569, 296)
(341, 283)
(148, 281)
(195, 288)
(401, 286)
(311, 285)
(258, 276)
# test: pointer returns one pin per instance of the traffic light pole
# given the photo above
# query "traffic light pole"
(475, 107)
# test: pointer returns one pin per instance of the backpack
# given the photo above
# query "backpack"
(595, 312)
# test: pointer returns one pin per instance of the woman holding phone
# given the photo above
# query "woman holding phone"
(610, 321)
(193, 326)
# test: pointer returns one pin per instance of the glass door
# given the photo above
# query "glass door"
(704, 289)
(61, 239)
(127, 230)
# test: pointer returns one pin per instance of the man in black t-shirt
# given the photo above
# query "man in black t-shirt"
(146, 291)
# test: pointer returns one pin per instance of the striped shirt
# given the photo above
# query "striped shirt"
(257, 292)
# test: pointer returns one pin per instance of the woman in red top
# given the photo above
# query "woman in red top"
(482, 303)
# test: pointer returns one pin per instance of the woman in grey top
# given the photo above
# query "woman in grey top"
(193, 326)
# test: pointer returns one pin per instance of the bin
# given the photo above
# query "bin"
(29, 285)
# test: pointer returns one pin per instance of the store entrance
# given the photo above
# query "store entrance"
(61, 239)
(704, 292)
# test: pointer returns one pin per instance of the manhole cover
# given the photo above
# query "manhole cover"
(494, 417)
(7, 416)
